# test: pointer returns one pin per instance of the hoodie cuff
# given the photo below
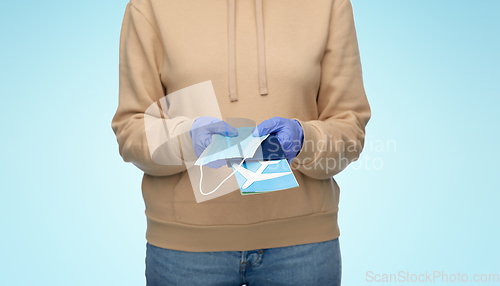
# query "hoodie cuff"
(182, 132)
(308, 152)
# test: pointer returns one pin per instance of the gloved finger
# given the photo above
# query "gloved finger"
(207, 141)
(284, 139)
(222, 128)
(200, 124)
(202, 142)
(290, 155)
(288, 144)
(268, 126)
(203, 122)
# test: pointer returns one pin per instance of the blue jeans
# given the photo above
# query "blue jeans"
(305, 264)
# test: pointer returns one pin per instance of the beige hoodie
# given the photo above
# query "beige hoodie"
(290, 58)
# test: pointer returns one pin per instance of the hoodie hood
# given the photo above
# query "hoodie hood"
(259, 19)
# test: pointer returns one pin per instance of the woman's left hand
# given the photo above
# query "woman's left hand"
(288, 131)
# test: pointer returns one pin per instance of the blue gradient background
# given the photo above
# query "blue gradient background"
(423, 197)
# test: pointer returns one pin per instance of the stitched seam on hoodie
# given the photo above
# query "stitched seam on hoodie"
(238, 224)
(156, 33)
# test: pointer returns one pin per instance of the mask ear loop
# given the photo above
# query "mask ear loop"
(234, 171)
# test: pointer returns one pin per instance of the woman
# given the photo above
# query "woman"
(291, 66)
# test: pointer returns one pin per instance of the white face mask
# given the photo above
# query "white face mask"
(242, 146)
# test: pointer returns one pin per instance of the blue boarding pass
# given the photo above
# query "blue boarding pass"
(256, 177)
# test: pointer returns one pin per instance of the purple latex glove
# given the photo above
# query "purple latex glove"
(201, 134)
(288, 131)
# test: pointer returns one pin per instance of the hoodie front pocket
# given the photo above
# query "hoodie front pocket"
(237, 209)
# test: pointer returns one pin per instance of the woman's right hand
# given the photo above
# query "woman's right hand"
(202, 130)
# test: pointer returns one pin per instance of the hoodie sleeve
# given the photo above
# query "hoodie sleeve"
(336, 138)
(139, 115)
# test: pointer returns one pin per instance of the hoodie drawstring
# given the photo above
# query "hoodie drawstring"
(232, 53)
(232, 49)
(262, 49)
